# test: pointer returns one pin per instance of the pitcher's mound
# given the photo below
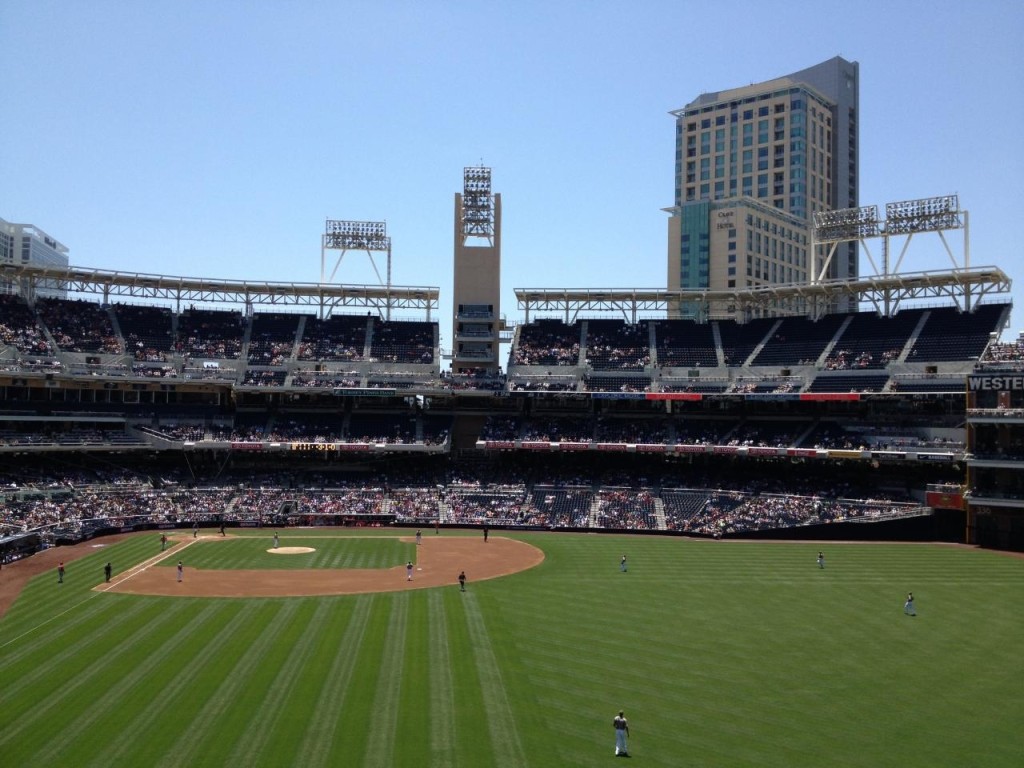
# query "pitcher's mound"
(291, 550)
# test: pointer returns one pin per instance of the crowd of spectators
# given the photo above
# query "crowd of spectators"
(848, 359)
(1010, 353)
(617, 346)
(544, 497)
(79, 326)
(18, 328)
(731, 513)
(547, 343)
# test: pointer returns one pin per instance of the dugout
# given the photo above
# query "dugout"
(19, 545)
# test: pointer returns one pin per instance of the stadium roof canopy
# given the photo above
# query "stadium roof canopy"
(886, 292)
(194, 289)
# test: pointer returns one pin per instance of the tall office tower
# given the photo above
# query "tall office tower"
(477, 294)
(27, 245)
(753, 164)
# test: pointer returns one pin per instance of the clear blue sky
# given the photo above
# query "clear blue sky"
(213, 138)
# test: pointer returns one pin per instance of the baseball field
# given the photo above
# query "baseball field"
(719, 653)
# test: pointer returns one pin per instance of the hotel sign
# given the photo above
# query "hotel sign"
(995, 383)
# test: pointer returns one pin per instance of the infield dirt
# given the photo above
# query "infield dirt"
(439, 559)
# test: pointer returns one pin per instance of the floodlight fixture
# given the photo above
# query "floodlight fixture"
(930, 214)
(357, 235)
(477, 202)
(846, 224)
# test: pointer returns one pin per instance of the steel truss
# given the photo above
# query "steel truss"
(248, 293)
(885, 292)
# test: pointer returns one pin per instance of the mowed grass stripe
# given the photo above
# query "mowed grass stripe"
(320, 734)
(264, 719)
(415, 718)
(771, 646)
(473, 747)
(204, 731)
(43, 602)
(720, 653)
(253, 697)
(501, 723)
(442, 689)
(126, 674)
(24, 663)
(62, 689)
(383, 726)
(149, 708)
(251, 553)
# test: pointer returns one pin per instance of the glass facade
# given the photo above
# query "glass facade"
(777, 146)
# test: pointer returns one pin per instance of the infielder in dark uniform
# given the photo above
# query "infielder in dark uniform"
(462, 581)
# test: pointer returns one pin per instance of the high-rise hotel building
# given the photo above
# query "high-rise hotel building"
(26, 244)
(753, 164)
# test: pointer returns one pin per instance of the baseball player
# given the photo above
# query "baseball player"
(621, 733)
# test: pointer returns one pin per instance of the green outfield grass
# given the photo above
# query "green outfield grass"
(253, 551)
(721, 654)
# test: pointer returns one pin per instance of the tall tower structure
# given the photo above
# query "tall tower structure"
(476, 297)
(753, 166)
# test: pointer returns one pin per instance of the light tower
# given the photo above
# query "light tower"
(367, 236)
(476, 324)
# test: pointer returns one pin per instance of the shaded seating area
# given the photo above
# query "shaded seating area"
(210, 333)
(685, 344)
(681, 506)
(148, 331)
(614, 345)
(873, 341)
(950, 334)
(18, 328)
(408, 341)
(739, 341)
(339, 338)
(79, 326)
(272, 338)
(626, 509)
(561, 506)
(549, 343)
(840, 383)
(798, 341)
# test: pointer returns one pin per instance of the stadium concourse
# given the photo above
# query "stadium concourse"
(118, 417)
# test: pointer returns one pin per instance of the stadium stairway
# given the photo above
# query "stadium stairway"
(761, 345)
(716, 334)
(820, 362)
(659, 513)
(913, 337)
